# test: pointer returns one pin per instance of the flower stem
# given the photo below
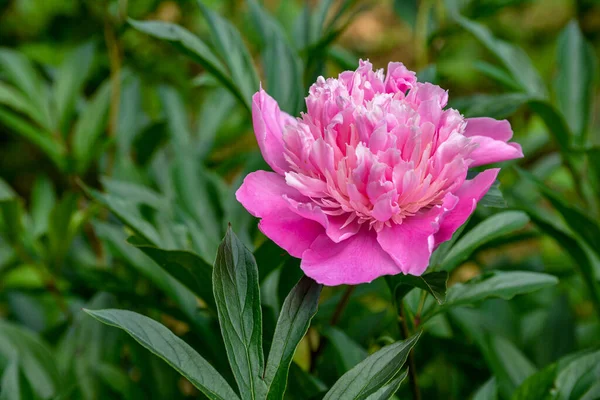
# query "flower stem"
(412, 370)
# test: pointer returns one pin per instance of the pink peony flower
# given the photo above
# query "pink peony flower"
(373, 177)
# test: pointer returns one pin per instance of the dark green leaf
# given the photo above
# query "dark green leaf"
(488, 391)
(407, 11)
(490, 105)
(12, 98)
(347, 351)
(491, 228)
(298, 309)
(375, 372)
(178, 354)
(177, 119)
(555, 123)
(509, 364)
(187, 267)
(537, 386)
(497, 74)
(43, 200)
(230, 46)
(570, 376)
(433, 283)
(501, 284)
(14, 385)
(235, 283)
(386, 392)
(191, 45)
(575, 81)
(493, 198)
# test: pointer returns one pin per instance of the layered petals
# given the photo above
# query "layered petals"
(269, 122)
(359, 259)
(266, 195)
(492, 137)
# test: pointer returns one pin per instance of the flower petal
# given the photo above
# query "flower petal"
(269, 122)
(492, 136)
(359, 259)
(411, 243)
(262, 194)
(468, 194)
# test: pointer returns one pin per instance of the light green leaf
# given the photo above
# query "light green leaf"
(69, 82)
(89, 127)
(574, 85)
(11, 97)
(488, 391)
(571, 375)
(177, 119)
(491, 228)
(375, 372)
(14, 385)
(236, 288)
(43, 199)
(178, 354)
(298, 309)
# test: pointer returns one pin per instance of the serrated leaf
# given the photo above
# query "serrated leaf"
(187, 267)
(574, 85)
(375, 372)
(491, 228)
(298, 310)
(236, 289)
(178, 354)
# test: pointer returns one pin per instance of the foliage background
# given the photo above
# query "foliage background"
(139, 140)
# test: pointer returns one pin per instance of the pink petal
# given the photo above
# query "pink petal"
(262, 194)
(411, 243)
(468, 194)
(359, 259)
(269, 122)
(399, 78)
(492, 136)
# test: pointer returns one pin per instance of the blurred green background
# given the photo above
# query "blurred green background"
(107, 132)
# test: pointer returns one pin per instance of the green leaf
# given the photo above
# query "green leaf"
(407, 10)
(53, 148)
(500, 284)
(282, 64)
(43, 200)
(432, 282)
(11, 97)
(572, 374)
(537, 386)
(14, 385)
(490, 105)
(235, 284)
(230, 46)
(69, 82)
(298, 309)
(488, 391)
(491, 228)
(347, 350)
(555, 123)
(90, 126)
(34, 357)
(194, 47)
(509, 364)
(386, 392)
(163, 343)
(493, 198)
(497, 74)
(514, 59)
(185, 266)
(177, 119)
(375, 372)
(216, 108)
(575, 80)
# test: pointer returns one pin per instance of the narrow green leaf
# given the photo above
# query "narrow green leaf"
(433, 282)
(509, 364)
(90, 126)
(185, 266)
(571, 375)
(491, 228)
(230, 46)
(298, 309)
(490, 105)
(574, 85)
(178, 354)
(488, 391)
(177, 119)
(43, 199)
(282, 64)
(194, 47)
(555, 123)
(375, 372)
(347, 351)
(14, 385)
(386, 392)
(53, 148)
(69, 82)
(497, 74)
(514, 59)
(500, 284)
(12, 98)
(236, 289)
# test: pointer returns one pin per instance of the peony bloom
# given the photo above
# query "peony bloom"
(373, 177)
